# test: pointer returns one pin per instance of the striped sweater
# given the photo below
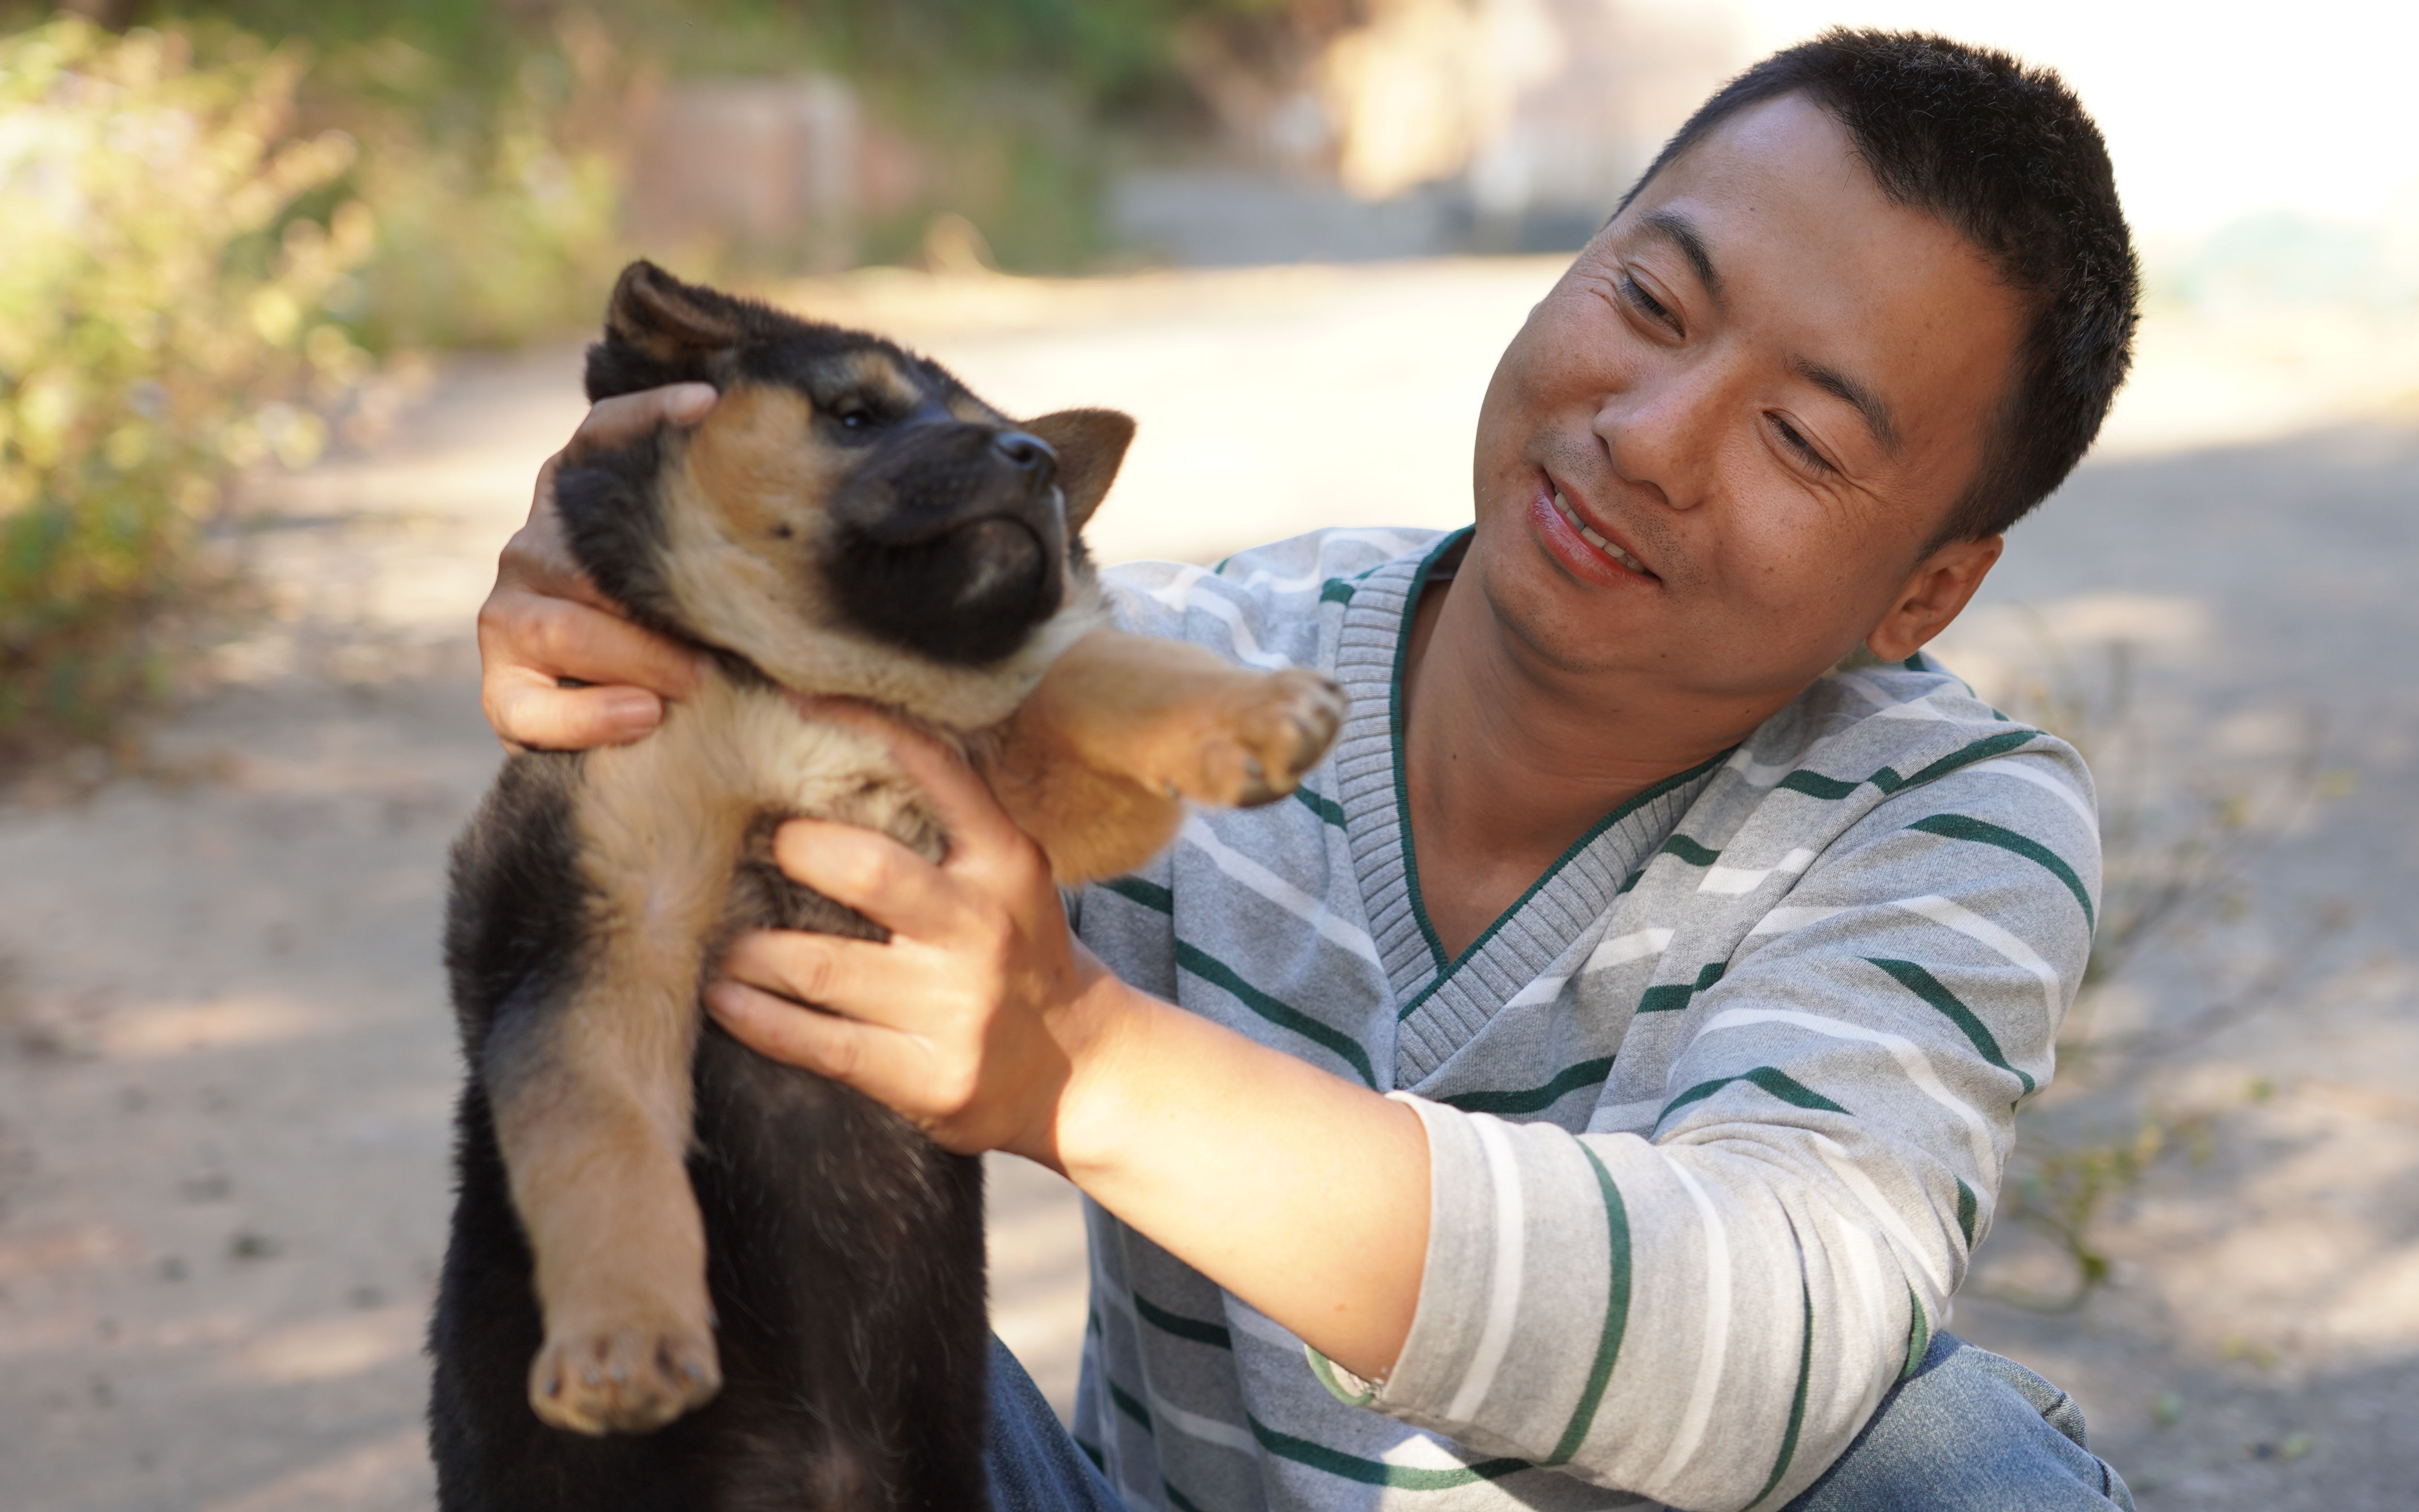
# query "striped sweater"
(1716, 1112)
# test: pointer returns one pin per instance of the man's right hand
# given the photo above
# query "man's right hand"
(545, 630)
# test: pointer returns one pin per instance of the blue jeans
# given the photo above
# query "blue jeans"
(1967, 1432)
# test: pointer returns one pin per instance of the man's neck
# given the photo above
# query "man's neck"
(1508, 760)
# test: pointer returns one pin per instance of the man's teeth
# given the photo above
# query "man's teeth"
(1592, 539)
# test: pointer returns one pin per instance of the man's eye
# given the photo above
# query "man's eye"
(1635, 292)
(1799, 445)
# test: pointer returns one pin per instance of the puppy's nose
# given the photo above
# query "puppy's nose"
(1024, 452)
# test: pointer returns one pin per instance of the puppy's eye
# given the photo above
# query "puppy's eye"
(853, 417)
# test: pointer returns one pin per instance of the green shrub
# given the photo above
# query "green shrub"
(163, 321)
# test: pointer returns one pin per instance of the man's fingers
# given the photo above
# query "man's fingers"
(976, 825)
(616, 423)
(870, 873)
(536, 713)
(874, 1060)
(557, 638)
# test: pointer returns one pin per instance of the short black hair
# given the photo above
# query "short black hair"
(2007, 156)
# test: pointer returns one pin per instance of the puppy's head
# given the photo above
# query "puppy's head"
(848, 518)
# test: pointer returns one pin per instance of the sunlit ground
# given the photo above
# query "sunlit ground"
(225, 1059)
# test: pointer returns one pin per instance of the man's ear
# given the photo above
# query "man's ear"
(1932, 596)
(1091, 444)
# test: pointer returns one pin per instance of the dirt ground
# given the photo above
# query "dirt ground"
(226, 1064)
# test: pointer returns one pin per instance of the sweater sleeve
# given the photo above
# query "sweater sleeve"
(1708, 1312)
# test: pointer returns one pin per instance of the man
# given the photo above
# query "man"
(1589, 1094)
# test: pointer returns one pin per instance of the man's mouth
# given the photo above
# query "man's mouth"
(1588, 533)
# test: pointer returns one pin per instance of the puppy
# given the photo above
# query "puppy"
(682, 1276)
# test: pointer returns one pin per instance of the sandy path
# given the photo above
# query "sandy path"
(225, 1064)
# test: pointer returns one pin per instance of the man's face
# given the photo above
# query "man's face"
(1762, 387)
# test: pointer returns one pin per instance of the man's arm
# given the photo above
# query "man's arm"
(1708, 1312)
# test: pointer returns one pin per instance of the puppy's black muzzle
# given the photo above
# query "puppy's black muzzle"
(953, 541)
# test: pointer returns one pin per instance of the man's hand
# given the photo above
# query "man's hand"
(546, 626)
(972, 1019)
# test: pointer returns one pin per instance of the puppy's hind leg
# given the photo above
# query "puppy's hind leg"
(592, 1094)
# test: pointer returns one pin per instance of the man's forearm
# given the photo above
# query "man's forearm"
(1303, 1195)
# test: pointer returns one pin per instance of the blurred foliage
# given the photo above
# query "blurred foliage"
(163, 320)
(220, 219)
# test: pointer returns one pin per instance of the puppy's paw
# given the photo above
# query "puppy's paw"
(629, 1379)
(1264, 739)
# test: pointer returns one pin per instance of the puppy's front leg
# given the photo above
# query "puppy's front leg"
(590, 1093)
(1094, 762)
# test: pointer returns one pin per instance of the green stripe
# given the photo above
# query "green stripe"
(1914, 663)
(1375, 1471)
(1149, 894)
(1968, 1207)
(1177, 1499)
(1927, 986)
(1981, 750)
(1129, 1406)
(1918, 1334)
(1616, 1315)
(1092, 1452)
(1402, 778)
(1586, 1074)
(1957, 827)
(1335, 591)
(1674, 997)
(1327, 808)
(1630, 881)
(1770, 1078)
(1210, 970)
(1179, 1325)
(1689, 851)
(1798, 1406)
(1816, 786)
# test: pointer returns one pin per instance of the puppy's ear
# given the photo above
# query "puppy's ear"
(1091, 443)
(658, 330)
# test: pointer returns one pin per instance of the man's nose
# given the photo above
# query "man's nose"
(1663, 430)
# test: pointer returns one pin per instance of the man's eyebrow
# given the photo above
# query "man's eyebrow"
(1868, 402)
(1681, 232)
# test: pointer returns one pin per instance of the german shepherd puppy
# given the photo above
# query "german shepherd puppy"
(682, 1278)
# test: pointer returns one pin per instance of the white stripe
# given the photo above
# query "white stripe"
(1417, 1451)
(1974, 927)
(1177, 595)
(1544, 990)
(1864, 1296)
(1853, 1177)
(2013, 765)
(1624, 949)
(1277, 890)
(1394, 542)
(1740, 879)
(1756, 773)
(1193, 1425)
(1717, 1331)
(1790, 917)
(1503, 1280)
(1910, 1060)
(1208, 1430)
(1889, 707)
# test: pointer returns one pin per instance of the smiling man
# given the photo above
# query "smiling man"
(1590, 1093)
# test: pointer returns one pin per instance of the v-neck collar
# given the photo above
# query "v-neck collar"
(1444, 1001)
